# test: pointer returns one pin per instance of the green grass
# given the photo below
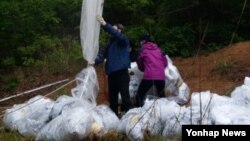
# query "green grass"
(110, 136)
(13, 136)
(224, 67)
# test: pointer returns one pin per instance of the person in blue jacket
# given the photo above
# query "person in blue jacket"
(116, 53)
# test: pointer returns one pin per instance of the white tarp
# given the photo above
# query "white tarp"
(90, 28)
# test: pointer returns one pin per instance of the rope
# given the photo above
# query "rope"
(207, 108)
(33, 90)
(177, 122)
(40, 98)
(142, 116)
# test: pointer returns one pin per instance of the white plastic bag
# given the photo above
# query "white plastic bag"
(72, 125)
(90, 28)
(241, 95)
(247, 81)
(28, 118)
(65, 102)
(104, 120)
(87, 85)
(175, 88)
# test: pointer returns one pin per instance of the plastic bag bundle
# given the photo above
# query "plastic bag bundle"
(52, 130)
(72, 125)
(152, 115)
(135, 78)
(247, 81)
(203, 103)
(172, 73)
(150, 118)
(178, 93)
(60, 103)
(241, 94)
(140, 123)
(126, 119)
(90, 28)
(163, 109)
(208, 99)
(104, 120)
(175, 88)
(65, 102)
(30, 117)
(135, 128)
(230, 114)
(163, 113)
(173, 123)
(133, 123)
(199, 112)
(87, 85)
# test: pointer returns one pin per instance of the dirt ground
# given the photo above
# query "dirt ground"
(220, 72)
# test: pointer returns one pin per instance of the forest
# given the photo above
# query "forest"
(35, 33)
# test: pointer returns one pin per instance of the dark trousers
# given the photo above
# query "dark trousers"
(119, 82)
(144, 86)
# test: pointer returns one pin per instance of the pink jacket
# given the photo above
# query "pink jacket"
(152, 62)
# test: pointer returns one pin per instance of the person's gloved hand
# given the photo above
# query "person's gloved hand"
(101, 20)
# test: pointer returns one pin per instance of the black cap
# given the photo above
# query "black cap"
(145, 37)
(120, 26)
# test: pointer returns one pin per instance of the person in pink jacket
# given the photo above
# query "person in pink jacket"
(152, 62)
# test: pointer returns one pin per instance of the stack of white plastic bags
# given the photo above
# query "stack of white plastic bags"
(165, 117)
(68, 118)
(76, 117)
(28, 118)
(79, 122)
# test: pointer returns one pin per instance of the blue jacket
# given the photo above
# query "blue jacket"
(116, 52)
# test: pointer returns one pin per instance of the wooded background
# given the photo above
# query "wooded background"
(35, 33)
